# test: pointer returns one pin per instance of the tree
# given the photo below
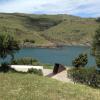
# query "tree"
(80, 61)
(96, 46)
(98, 20)
(8, 45)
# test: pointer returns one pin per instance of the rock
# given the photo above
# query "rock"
(58, 68)
(25, 68)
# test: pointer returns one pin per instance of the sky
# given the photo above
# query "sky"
(82, 8)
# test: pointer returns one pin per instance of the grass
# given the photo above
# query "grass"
(45, 29)
(47, 66)
(16, 86)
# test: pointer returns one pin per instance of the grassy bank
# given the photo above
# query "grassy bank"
(15, 86)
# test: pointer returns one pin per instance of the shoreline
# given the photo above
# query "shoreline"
(29, 45)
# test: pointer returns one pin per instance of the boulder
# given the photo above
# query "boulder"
(58, 68)
(25, 68)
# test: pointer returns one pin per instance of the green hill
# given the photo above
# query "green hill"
(48, 29)
(16, 86)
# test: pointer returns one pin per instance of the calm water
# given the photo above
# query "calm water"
(63, 55)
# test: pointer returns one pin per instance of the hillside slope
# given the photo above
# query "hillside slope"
(16, 86)
(49, 29)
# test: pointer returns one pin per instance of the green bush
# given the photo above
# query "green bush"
(85, 75)
(35, 71)
(25, 61)
(28, 40)
(80, 61)
(4, 67)
(98, 20)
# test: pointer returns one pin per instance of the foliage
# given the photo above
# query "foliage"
(25, 61)
(80, 61)
(4, 67)
(98, 19)
(28, 40)
(8, 45)
(85, 75)
(35, 71)
(96, 46)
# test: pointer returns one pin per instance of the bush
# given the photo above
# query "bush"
(4, 67)
(85, 75)
(98, 20)
(28, 40)
(35, 71)
(80, 61)
(25, 61)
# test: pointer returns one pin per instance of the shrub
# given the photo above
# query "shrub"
(28, 40)
(80, 61)
(35, 71)
(85, 75)
(98, 20)
(25, 61)
(4, 67)
(8, 45)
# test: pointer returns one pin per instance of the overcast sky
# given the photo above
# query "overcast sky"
(83, 8)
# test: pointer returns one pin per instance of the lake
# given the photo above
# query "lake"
(63, 55)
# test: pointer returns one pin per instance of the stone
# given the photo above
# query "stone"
(58, 68)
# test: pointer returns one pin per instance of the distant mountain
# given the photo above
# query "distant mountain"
(49, 29)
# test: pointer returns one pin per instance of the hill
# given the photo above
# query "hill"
(47, 30)
(16, 86)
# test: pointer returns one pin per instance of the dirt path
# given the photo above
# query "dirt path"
(62, 76)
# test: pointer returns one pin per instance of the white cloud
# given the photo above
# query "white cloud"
(87, 8)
